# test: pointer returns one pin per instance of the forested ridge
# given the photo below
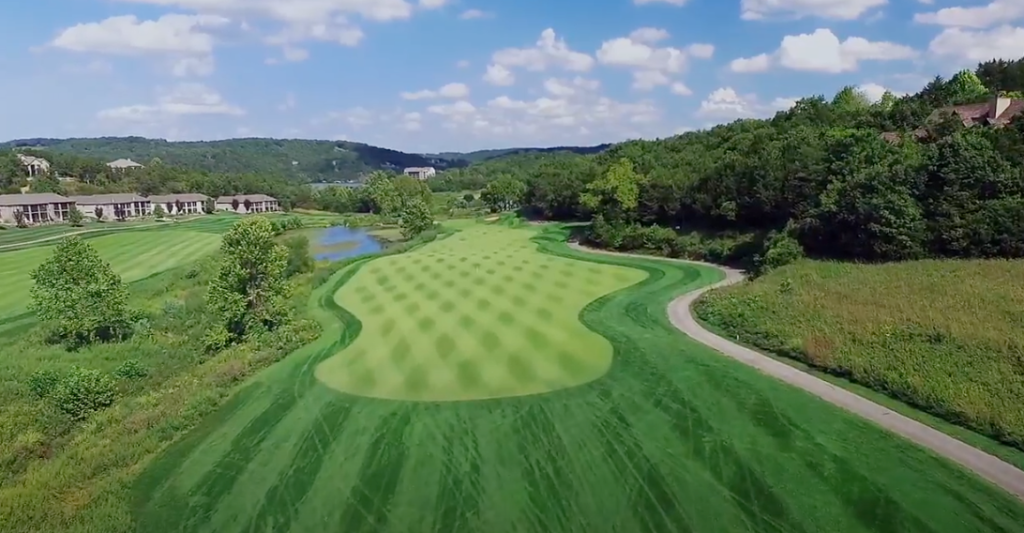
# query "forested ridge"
(298, 159)
(820, 178)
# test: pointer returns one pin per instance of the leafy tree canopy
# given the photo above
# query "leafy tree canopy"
(79, 295)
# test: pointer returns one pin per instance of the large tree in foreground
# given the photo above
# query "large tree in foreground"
(248, 295)
(80, 295)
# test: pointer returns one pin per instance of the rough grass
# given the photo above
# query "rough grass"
(59, 475)
(946, 336)
(673, 438)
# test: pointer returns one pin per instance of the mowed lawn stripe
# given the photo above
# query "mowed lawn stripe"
(418, 344)
(134, 255)
(673, 437)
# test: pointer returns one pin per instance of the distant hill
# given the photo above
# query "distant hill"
(306, 160)
(483, 155)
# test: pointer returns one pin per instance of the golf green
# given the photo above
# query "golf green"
(673, 437)
(481, 314)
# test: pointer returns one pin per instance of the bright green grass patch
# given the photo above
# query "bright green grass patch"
(481, 314)
(134, 254)
(674, 437)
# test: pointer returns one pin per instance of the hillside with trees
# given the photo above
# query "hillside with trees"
(839, 177)
(300, 160)
(484, 155)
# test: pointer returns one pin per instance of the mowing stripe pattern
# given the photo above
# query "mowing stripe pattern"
(672, 438)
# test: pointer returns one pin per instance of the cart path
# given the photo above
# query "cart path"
(983, 464)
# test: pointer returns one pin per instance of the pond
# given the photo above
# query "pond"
(341, 242)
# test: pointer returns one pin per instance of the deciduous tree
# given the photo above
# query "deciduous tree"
(78, 294)
(416, 218)
(248, 295)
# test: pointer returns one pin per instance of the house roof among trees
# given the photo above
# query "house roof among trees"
(124, 163)
(184, 197)
(32, 199)
(244, 197)
(103, 199)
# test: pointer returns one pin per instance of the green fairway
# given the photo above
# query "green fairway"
(134, 254)
(673, 437)
(482, 314)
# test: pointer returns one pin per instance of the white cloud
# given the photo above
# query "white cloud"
(968, 46)
(994, 13)
(193, 66)
(185, 99)
(309, 11)
(462, 63)
(338, 32)
(562, 88)
(822, 51)
(645, 80)
(651, 66)
(127, 35)
(873, 91)
(680, 89)
(725, 103)
(758, 63)
(548, 52)
(460, 108)
(499, 75)
(625, 52)
(829, 9)
(649, 35)
(471, 14)
(433, 4)
(701, 50)
(451, 90)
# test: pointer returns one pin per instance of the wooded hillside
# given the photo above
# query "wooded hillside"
(839, 177)
(302, 160)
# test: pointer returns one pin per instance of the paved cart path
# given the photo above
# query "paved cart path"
(984, 464)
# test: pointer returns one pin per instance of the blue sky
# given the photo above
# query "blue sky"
(459, 75)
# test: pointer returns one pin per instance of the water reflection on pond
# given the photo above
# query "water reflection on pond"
(341, 242)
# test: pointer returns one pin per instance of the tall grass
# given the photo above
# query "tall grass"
(53, 466)
(944, 336)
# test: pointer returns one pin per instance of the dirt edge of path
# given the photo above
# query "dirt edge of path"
(989, 467)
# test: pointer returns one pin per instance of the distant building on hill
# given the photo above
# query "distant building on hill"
(420, 173)
(124, 164)
(36, 166)
(38, 208)
(130, 203)
(191, 204)
(997, 112)
(258, 203)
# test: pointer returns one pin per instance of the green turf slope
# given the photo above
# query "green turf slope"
(482, 314)
(134, 254)
(672, 438)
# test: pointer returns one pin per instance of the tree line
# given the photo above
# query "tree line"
(843, 178)
(299, 160)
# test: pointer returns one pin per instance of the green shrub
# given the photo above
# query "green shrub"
(83, 391)
(780, 249)
(299, 259)
(131, 369)
(42, 382)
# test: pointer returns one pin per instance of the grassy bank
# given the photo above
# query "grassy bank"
(943, 336)
(674, 437)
